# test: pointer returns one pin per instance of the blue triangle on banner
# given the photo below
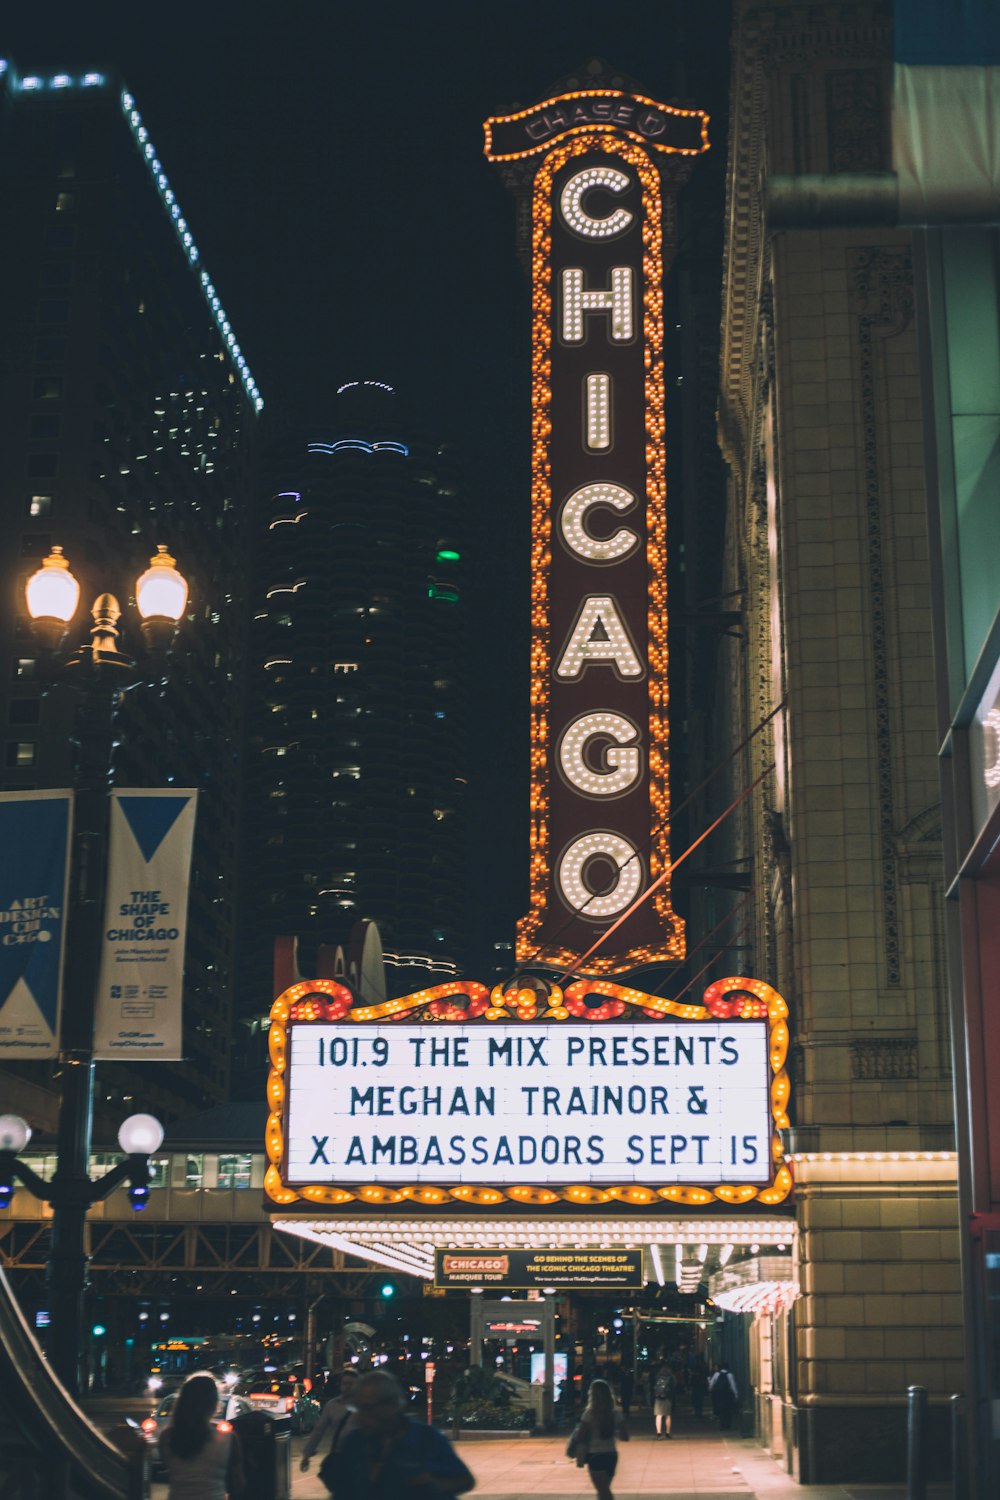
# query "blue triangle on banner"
(151, 819)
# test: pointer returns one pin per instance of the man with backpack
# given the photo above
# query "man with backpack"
(664, 1392)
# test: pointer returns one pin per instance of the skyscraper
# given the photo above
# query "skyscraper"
(358, 754)
(129, 417)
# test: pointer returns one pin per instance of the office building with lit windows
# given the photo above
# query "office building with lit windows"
(358, 754)
(129, 416)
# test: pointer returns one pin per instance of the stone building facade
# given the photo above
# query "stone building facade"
(820, 423)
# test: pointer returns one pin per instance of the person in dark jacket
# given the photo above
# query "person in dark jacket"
(725, 1397)
(698, 1385)
(390, 1456)
(338, 1418)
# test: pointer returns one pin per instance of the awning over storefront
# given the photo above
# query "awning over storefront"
(763, 1283)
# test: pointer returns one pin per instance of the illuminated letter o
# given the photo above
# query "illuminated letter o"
(569, 875)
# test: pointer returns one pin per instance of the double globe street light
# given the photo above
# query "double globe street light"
(138, 1136)
(101, 671)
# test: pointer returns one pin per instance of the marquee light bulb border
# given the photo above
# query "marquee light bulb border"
(594, 127)
(656, 548)
(736, 998)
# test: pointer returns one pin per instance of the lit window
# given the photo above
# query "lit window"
(25, 666)
(194, 1171)
(345, 666)
(40, 505)
(21, 753)
(64, 203)
(234, 1171)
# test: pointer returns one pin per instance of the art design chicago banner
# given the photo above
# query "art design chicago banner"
(35, 832)
(140, 989)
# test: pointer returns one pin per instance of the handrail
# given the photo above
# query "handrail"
(36, 1407)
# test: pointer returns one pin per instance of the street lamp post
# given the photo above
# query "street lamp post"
(70, 1196)
(101, 672)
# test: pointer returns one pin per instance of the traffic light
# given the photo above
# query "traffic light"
(387, 1290)
(98, 1330)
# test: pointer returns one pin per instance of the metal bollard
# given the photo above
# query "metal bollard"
(916, 1443)
(959, 1486)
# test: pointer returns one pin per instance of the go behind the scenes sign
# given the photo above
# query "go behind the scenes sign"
(535, 1104)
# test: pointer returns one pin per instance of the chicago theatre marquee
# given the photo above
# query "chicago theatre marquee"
(574, 1111)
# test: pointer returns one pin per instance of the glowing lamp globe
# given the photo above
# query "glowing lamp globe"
(15, 1133)
(52, 593)
(140, 1135)
(161, 593)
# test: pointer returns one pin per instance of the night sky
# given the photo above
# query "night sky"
(328, 158)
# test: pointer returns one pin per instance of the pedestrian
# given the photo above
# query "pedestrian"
(339, 1418)
(202, 1457)
(389, 1456)
(664, 1392)
(594, 1441)
(625, 1387)
(725, 1396)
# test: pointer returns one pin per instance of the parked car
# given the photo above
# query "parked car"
(282, 1395)
(230, 1405)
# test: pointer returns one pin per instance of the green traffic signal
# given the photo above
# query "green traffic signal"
(387, 1289)
(98, 1330)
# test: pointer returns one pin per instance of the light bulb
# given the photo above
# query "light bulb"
(161, 591)
(140, 1135)
(52, 593)
(15, 1133)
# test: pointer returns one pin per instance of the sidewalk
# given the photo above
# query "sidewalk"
(699, 1461)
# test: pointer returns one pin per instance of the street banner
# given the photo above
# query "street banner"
(141, 984)
(516, 1269)
(35, 833)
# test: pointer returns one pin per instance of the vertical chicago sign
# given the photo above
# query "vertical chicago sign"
(602, 168)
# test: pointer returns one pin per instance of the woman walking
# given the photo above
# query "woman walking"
(202, 1457)
(596, 1437)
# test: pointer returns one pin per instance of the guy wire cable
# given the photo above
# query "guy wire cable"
(527, 963)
